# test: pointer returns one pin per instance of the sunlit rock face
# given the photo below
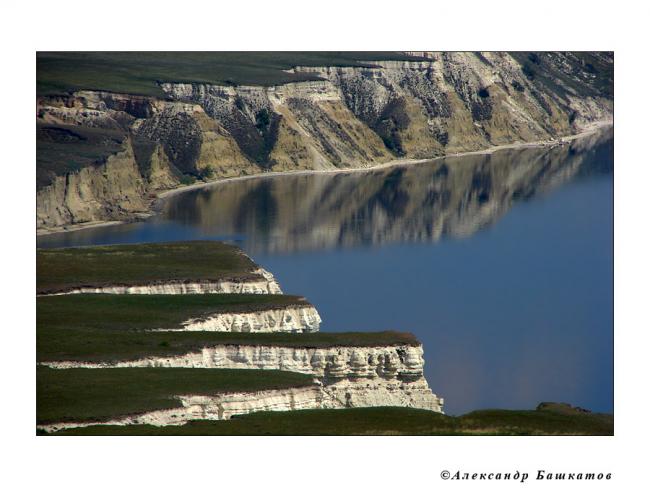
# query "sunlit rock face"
(331, 364)
(449, 197)
(128, 147)
(288, 319)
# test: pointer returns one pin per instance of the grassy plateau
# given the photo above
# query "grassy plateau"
(139, 73)
(59, 270)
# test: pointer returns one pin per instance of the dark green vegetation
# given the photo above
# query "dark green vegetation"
(381, 421)
(59, 270)
(61, 342)
(139, 72)
(86, 394)
(63, 149)
(138, 312)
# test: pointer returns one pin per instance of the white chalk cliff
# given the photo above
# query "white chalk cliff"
(299, 318)
(405, 362)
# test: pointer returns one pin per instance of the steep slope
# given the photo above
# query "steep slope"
(103, 156)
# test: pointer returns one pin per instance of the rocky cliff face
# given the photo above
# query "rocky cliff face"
(355, 117)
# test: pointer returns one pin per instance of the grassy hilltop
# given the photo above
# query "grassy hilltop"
(138, 73)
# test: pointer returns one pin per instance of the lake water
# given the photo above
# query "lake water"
(501, 264)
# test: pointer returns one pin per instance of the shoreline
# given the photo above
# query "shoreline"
(165, 194)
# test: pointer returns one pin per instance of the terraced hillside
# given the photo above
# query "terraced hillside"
(115, 129)
(123, 357)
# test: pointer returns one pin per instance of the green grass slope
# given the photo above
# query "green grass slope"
(380, 421)
(138, 73)
(59, 270)
(87, 394)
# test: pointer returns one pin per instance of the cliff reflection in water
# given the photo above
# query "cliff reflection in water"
(452, 197)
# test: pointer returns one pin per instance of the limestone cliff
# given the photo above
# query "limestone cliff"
(103, 156)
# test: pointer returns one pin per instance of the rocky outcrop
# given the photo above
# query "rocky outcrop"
(355, 117)
(114, 190)
(289, 319)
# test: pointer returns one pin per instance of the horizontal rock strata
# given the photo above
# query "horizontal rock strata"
(330, 363)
